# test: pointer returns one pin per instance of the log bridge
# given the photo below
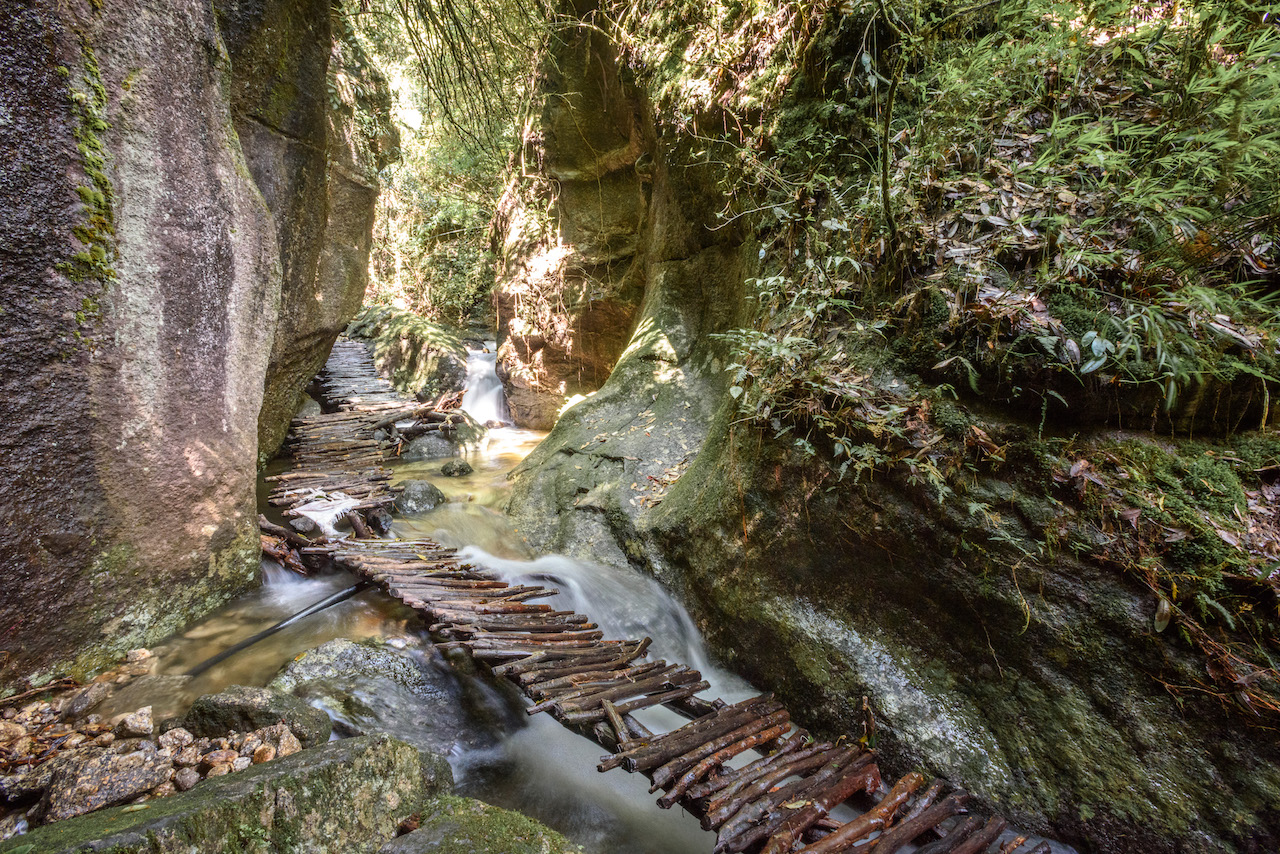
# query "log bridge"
(779, 802)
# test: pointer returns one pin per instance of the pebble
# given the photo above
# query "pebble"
(219, 757)
(133, 656)
(137, 725)
(9, 731)
(219, 770)
(164, 790)
(185, 779)
(176, 738)
(265, 753)
(105, 739)
(187, 757)
(240, 763)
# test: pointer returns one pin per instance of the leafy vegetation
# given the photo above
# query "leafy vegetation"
(459, 72)
(1072, 208)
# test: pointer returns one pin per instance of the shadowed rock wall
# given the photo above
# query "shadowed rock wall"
(313, 117)
(161, 193)
(1034, 683)
(568, 287)
(140, 286)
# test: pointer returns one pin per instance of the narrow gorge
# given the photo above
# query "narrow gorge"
(910, 372)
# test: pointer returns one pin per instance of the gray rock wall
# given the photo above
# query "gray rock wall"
(186, 211)
(313, 117)
(139, 293)
(568, 288)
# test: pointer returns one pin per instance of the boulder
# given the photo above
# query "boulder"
(309, 408)
(242, 709)
(456, 468)
(432, 446)
(137, 724)
(419, 496)
(369, 687)
(464, 824)
(344, 796)
(303, 524)
(78, 787)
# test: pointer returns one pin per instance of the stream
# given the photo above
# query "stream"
(498, 753)
(506, 758)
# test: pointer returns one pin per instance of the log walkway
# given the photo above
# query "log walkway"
(779, 801)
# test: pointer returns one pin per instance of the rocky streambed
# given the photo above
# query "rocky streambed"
(246, 769)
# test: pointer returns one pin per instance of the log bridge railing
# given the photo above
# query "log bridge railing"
(779, 802)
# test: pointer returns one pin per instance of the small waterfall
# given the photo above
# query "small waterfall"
(483, 398)
(625, 604)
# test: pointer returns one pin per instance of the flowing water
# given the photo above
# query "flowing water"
(531, 764)
(484, 399)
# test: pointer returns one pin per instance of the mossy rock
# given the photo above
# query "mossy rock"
(345, 796)
(465, 826)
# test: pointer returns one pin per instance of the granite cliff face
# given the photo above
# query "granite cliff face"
(143, 233)
(568, 282)
(313, 118)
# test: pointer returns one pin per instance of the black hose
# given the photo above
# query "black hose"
(340, 596)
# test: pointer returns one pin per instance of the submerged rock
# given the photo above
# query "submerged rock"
(369, 687)
(240, 709)
(456, 468)
(467, 825)
(344, 796)
(432, 446)
(419, 496)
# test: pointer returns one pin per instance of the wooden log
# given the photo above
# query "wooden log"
(629, 682)
(821, 803)
(673, 768)
(958, 834)
(358, 525)
(732, 801)
(576, 684)
(680, 675)
(875, 819)
(579, 718)
(980, 840)
(623, 735)
(759, 819)
(687, 737)
(1012, 845)
(908, 829)
(736, 779)
(544, 659)
(715, 760)
(926, 800)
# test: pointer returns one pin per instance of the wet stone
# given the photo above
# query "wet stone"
(136, 725)
(419, 496)
(186, 778)
(102, 781)
(176, 739)
(456, 468)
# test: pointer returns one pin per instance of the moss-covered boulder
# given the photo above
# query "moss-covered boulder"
(416, 355)
(371, 687)
(460, 825)
(345, 796)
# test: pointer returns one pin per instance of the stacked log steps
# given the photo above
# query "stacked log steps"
(778, 802)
